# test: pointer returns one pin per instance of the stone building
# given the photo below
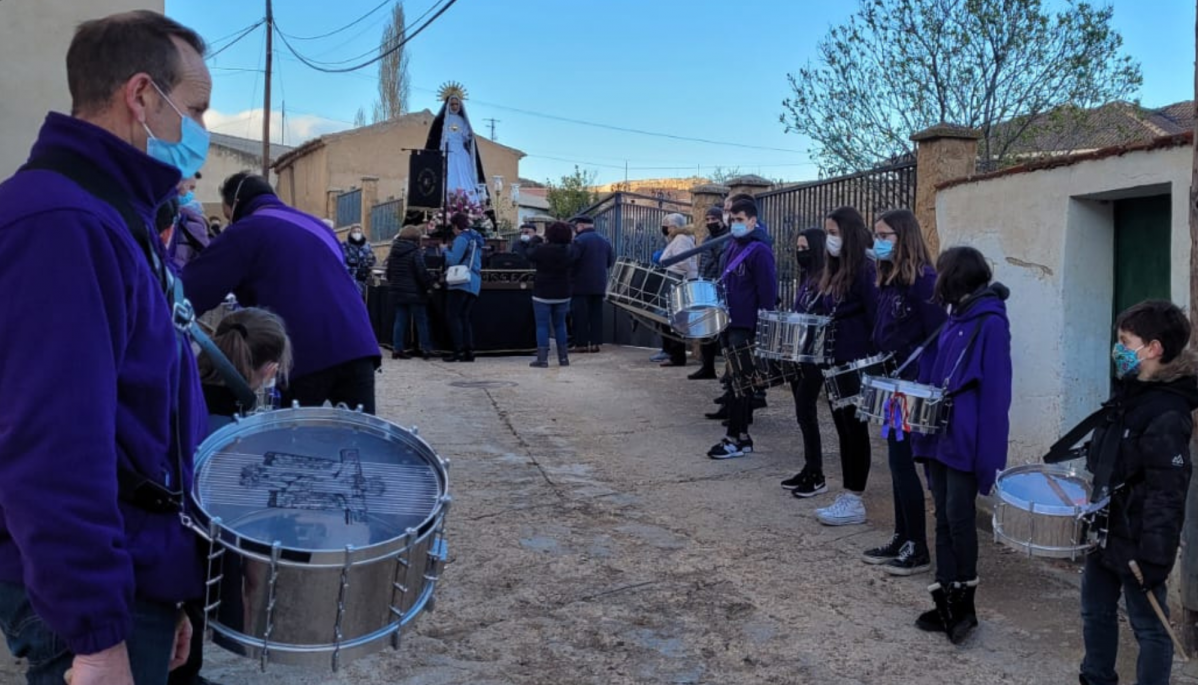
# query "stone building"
(339, 161)
(228, 155)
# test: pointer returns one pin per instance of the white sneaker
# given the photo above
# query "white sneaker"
(847, 510)
(660, 357)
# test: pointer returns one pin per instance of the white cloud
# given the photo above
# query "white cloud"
(248, 124)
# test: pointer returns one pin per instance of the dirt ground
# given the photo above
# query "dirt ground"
(591, 541)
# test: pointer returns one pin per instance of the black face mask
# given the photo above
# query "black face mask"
(804, 258)
(665, 231)
(715, 228)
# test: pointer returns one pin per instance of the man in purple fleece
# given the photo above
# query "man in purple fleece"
(279, 258)
(100, 393)
(750, 280)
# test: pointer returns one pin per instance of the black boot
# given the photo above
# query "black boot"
(563, 357)
(452, 357)
(467, 356)
(542, 360)
(932, 621)
(961, 608)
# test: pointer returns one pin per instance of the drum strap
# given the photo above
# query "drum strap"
(919, 350)
(1062, 450)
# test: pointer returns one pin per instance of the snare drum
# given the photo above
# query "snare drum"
(641, 288)
(326, 533)
(843, 383)
(794, 337)
(1038, 510)
(748, 372)
(895, 403)
(697, 309)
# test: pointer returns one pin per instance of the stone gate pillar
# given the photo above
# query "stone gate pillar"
(943, 153)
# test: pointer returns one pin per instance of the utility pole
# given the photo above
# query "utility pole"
(1189, 534)
(270, 33)
(492, 122)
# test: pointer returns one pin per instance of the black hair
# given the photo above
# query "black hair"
(816, 247)
(460, 221)
(241, 188)
(748, 207)
(841, 272)
(1159, 320)
(960, 272)
(740, 196)
(559, 233)
(105, 53)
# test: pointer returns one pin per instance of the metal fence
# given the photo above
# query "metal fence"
(349, 208)
(632, 222)
(385, 220)
(788, 211)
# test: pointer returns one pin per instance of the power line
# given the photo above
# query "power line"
(353, 23)
(383, 55)
(247, 31)
(492, 122)
(372, 51)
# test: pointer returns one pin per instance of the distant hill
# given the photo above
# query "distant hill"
(668, 188)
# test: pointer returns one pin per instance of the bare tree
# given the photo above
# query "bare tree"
(360, 118)
(395, 81)
(1007, 67)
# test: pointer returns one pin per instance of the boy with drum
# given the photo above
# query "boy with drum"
(1140, 458)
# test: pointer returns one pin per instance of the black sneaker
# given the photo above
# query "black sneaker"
(717, 415)
(725, 449)
(811, 483)
(885, 553)
(909, 562)
(793, 482)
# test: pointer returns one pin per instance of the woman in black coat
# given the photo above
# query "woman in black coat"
(551, 290)
(410, 282)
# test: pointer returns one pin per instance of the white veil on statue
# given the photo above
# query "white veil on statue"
(452, 134)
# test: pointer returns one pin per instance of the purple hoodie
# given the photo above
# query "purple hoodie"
(89, 366)
(975, 439)
(853, 316)
(753, 284)
(273, 263)
(906, 317)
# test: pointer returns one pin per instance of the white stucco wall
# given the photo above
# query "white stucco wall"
(1049, 236)
(34, 36)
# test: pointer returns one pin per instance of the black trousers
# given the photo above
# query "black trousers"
(587, 312)
(806, 393)
(351, 383)
(708, 352)
(675, 348)
(955, 493)
(458, 306)
(740, 407)
(854, 448)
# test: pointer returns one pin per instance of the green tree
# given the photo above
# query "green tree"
(572, 194)
(1008, 68)
(395, 81)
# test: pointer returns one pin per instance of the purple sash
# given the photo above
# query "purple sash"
(323, 232)
(739, 258)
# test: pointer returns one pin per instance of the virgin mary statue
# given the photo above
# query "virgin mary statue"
(452, 133)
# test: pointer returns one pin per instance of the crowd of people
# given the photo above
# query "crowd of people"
(99, 573)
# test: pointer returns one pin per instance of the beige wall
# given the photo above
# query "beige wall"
(344, 158)
(1049, 236)
(34, 36)
(221, 164)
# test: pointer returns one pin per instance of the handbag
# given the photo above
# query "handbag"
(459, 274)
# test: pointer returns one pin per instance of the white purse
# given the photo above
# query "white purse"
(459, 274)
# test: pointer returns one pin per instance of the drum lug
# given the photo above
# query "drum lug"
(276, 551)
(349, 562)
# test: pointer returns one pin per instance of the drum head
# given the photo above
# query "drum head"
(1025, 486)
(318, 479)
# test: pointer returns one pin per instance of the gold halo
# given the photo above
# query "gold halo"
(451, 89)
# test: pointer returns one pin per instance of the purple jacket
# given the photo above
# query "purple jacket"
(753, 284)
(853, 316)
(975, 439)
(273, 263)
(191, 230)
(906, 317)
(594, 257)
(89, 367)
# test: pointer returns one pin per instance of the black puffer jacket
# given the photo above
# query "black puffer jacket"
(553, 263)
(710, 262)
(407, 276)
(1151, 426)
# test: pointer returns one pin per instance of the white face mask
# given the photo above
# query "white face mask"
(834, 244)
(356, 235)
(525, 238)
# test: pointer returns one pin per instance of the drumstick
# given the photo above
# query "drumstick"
(1135, 570)
(1060, 492)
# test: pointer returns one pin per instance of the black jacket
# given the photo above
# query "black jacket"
(710, 262)
(522, 248)
(1150, 426)
(553, 263)
(407, 276)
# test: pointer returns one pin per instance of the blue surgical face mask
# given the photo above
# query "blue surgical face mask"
(740, 230)
(883, 249)
(1127, 360)
(189, 153)
(187, 198)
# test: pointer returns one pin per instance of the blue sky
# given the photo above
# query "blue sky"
(681, 67)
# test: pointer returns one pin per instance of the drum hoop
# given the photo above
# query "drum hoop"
(909, 388)
(859, 364)
(1056, 509)
(305, 557)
